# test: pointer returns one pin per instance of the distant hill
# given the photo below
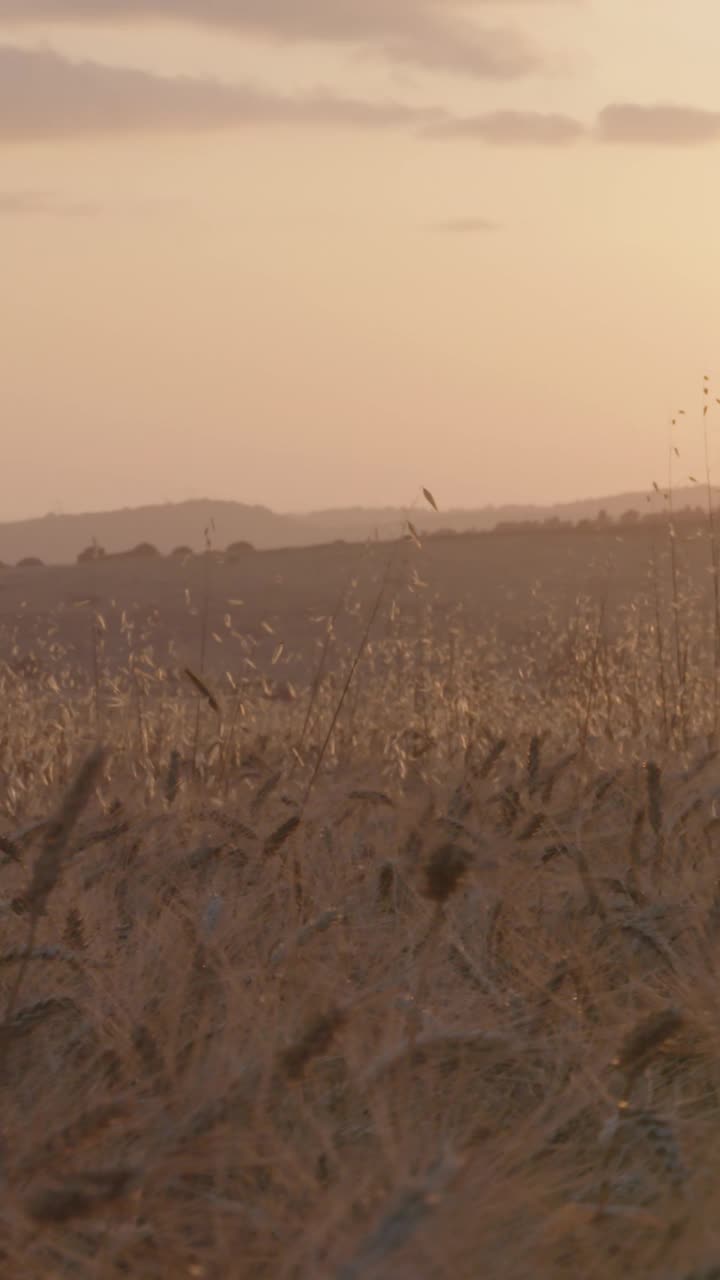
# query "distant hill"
(58, 539)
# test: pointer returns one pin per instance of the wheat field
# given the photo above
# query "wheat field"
(410, 974)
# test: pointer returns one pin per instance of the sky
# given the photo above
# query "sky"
(317, 253)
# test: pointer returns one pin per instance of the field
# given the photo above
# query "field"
(361, 913)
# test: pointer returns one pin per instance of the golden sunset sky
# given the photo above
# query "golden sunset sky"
(319, 252)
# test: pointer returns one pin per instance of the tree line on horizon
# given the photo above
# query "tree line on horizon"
(631, 519)
(687, 517)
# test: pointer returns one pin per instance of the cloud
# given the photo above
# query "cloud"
(466, 226)
(427, 33)
(660, 125)
(43, 203)
(511, 128)
(45, 95)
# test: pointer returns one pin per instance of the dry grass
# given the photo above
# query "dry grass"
(420, 985)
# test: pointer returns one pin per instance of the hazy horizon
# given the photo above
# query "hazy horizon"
(312, 254)
(416, 502)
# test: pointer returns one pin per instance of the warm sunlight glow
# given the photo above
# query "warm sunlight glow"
(308, 261)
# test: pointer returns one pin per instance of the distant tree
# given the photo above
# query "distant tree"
(143, 550)
(181, 553)
(602, 519)
(238, 549)
(630, 517)
(93, 552)
(513, 526)
(689, 513)
(30, 562)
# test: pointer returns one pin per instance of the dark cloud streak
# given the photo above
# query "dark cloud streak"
(44, 95)
(660, 125)
(467, 226)
(427, 33)
(511, 128)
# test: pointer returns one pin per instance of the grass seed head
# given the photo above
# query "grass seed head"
(314, 1042)
(444, 872)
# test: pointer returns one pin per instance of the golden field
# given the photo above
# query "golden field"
(361, 913)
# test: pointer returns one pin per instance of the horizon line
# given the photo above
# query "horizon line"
(651, 494)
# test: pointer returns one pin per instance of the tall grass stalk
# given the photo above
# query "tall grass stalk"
(680, 653)
(660, 642)
(714, 566)
(204, 630)
(593, 675)
(374, 611)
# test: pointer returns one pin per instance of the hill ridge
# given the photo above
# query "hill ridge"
(59, 538)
